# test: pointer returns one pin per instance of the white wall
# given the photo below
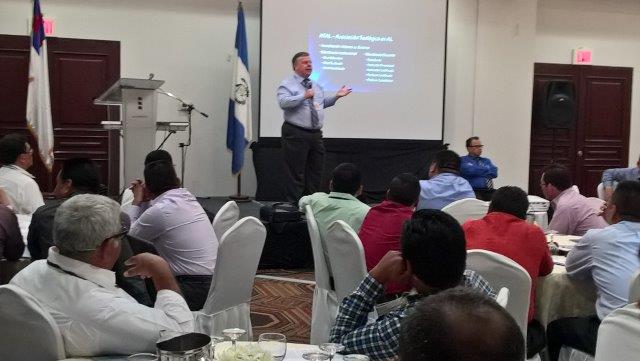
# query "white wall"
(186, 43)
(492, 100)
(611, 28)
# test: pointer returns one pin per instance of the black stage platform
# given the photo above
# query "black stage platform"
(287, 245)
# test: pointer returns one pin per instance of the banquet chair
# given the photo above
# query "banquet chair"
(501, 271)
(230, 292)
(22, 318)
(347, 258)
(618, 335)
(600, 191)
(325, 303)
(226, 217)
(503, 297)
(465, 209)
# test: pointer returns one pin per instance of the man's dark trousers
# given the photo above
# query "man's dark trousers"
(580, 333)
(303, 151)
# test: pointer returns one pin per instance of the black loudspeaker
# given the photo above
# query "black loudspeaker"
(559, 104)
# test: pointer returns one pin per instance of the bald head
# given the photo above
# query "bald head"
(460, 324)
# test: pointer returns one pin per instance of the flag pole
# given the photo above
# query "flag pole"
(239, 197)
(239, 122)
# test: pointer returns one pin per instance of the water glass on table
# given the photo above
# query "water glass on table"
(331, 348)
(275, 344)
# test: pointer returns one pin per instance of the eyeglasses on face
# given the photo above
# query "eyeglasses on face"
(476, 146)
(118, 236)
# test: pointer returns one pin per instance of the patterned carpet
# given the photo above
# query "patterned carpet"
(282, 306)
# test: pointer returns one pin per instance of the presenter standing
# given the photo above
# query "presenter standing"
(303, 103)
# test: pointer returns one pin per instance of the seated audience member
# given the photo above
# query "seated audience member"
(16, 156)
(444, 185)
(11, 243)
(504, 230)
(75, 286)
(479, 171)
(433, 257)
(608, 257)
(457, 325)
(152, 156)
(78, 176)
(177, 225)
(609, 176)
(382, 226)
(572, 212)
(341, 204)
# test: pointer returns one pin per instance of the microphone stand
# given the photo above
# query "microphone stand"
(189, 108)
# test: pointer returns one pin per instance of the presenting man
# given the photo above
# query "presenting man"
(303, 103)
(479, 171)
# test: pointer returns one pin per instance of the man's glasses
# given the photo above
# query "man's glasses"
(118, 236)
(476, 146)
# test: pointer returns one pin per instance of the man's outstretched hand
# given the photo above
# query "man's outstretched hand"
(343, 92)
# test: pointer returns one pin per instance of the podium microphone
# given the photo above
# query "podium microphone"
(151, 75)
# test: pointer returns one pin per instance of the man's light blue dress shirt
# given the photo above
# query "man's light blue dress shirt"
(443, 189)
(297, 109)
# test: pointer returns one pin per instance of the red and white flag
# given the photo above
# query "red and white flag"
(39, 118)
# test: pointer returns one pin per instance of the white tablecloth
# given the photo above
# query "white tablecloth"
(558, 296)
(294, 353)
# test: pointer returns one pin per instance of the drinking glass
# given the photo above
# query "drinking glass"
(355, 357)
(315, 356)
(331, 348)
(275, 344)
(233, 334)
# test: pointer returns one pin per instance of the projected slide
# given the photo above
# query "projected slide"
(391, 54)
(357, 59)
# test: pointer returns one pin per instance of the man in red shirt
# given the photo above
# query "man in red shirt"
(382, 226)
(504, 230)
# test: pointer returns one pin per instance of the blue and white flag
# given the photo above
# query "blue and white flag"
(239, 132)
(38, 99)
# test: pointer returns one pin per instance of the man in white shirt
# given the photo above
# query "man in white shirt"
(172, 220)
(16, 156)
(75, 284)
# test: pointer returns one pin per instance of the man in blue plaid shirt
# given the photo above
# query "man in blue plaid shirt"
(433, 257)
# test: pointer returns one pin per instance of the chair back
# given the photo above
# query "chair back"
(23, 320)
(634, 287)
(325, 304)
(226, 217)
(503, 297)
(238, 256)
(618, 335)
(501, 271)
(465, 209)
(600, 191)
(321, 271)
(348, 265)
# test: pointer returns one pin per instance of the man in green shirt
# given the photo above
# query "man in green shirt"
(341, 204)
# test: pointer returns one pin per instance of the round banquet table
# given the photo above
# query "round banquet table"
(558, 296)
